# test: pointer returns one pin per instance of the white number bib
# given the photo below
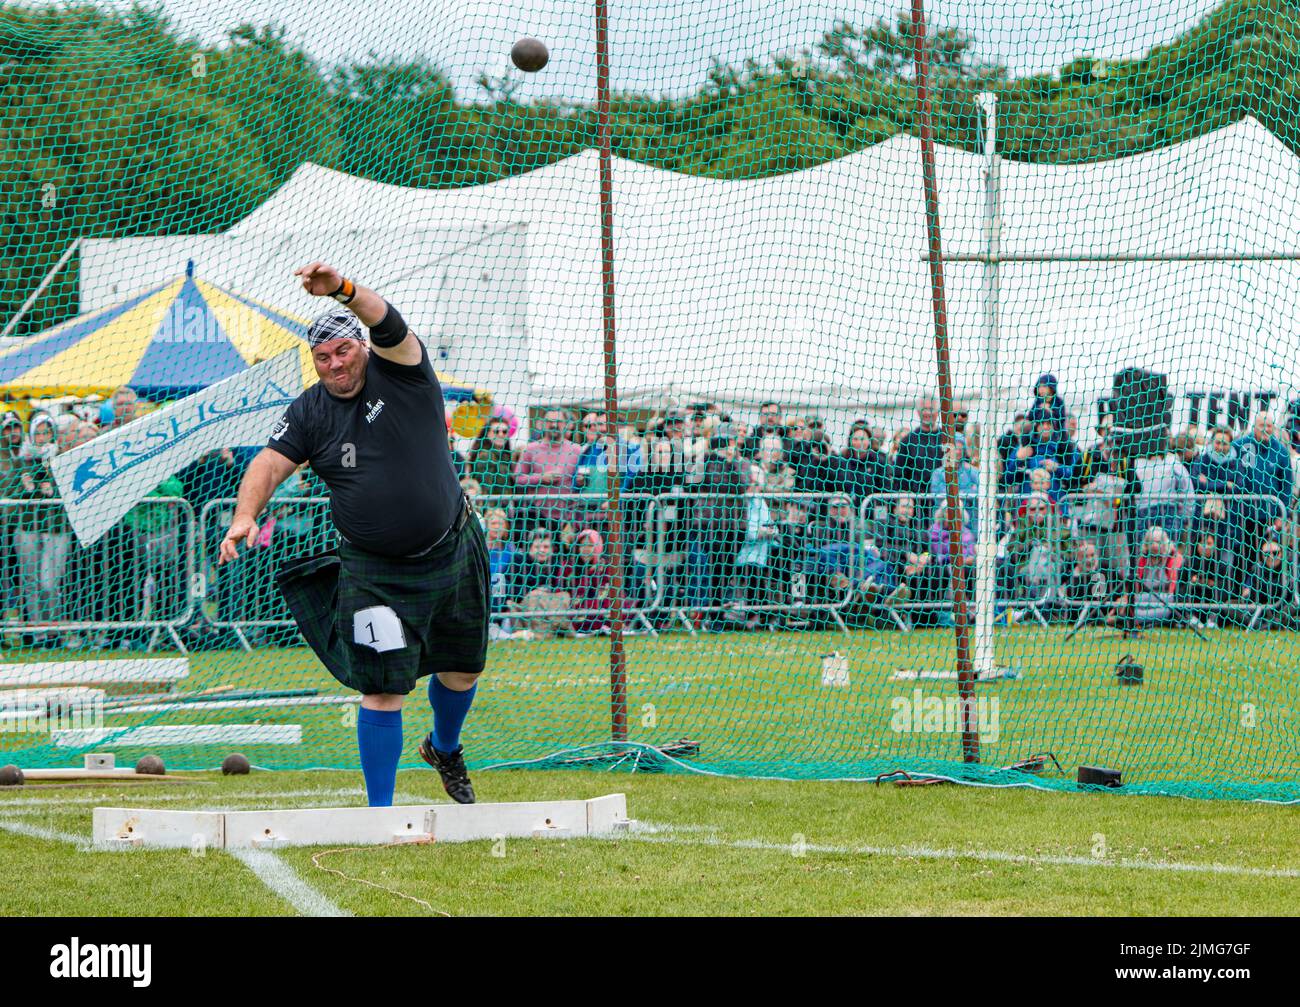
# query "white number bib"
(378, 628)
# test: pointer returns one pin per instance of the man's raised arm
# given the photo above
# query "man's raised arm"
(265, 473)
(389, 336)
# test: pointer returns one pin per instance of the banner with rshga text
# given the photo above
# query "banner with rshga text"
(102, 479)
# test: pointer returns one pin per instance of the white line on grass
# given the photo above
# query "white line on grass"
(663, 828)
(39, 832)
(648, 832)
(283, 880)
(269, 869)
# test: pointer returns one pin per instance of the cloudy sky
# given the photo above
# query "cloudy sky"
(664, 46)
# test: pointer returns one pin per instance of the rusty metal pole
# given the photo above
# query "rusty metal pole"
(970, 746)
(617, 658)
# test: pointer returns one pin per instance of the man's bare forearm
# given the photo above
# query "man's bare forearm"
(398, 343)
(368, 306)
(259, 482)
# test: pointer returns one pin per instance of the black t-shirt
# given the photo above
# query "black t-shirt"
(383, 454)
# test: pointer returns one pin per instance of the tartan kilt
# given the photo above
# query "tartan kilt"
(443, 601)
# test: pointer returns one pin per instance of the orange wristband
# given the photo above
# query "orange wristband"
(347, 290)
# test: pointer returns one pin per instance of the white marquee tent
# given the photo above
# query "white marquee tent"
(807, 287)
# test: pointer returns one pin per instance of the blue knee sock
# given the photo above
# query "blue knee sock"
(379, 737)
(449, 710)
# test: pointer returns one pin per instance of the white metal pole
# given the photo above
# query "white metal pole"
(1224, 256)
(18, 317)
(986, 552)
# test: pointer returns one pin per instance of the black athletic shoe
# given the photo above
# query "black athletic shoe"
(451, 767)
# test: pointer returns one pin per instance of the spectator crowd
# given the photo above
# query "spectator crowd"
(121, 592)
(732, 527)
(724, 526)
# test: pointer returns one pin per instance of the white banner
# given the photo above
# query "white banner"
(102, 479)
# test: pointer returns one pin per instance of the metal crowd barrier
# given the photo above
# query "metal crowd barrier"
(158, 565)
(525, 506)
(802, 566)
(1184, 512)
(682, 547)
(1126, 544)
(651, 550)
(245, 596)
(244, 593)
(674, 551)
(253, 575)
(877, 508)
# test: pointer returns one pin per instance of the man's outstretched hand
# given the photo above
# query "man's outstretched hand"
(319, 279)
(241, 528)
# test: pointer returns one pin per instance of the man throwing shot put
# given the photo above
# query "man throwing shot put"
(406, 594)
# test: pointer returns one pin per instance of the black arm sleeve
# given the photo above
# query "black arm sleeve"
(291, 436)
(390, 330)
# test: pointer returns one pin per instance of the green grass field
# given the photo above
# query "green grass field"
(1213, 718)
(703, 846)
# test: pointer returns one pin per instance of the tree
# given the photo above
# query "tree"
(113, 123)
(886, 51)
(763, 132)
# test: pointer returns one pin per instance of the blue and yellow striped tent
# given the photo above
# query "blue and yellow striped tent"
(166, 342)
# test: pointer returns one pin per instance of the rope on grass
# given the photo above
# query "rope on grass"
(316, 857)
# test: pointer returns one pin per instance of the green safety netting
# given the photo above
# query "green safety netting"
(729, 245)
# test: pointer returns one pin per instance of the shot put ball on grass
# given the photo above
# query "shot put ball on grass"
(11, 776)
(235, 765)
(529, 54)
(151, 765)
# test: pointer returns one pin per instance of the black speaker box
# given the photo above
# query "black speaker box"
(1143, 412)
(1128, 671)
(1098, 776)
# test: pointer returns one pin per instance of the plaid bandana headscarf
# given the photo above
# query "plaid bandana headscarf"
(336, 323)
